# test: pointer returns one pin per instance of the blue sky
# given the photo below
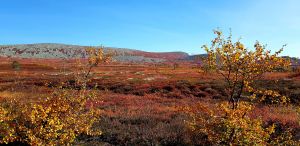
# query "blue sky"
(151, 25)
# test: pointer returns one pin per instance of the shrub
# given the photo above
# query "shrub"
(229, 123)
(57, 119)
(16, 65)
(240, 67)
(223, 126)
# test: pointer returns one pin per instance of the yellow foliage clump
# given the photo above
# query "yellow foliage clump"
(229, 123)
(240, 67)
(223, 126)
(55, 120)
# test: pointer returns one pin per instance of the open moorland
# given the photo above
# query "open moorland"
(144, 103)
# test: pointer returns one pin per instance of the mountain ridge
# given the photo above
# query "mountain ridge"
(59, 50)
(68, 51)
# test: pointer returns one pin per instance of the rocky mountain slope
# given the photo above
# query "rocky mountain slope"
(61, 51)
(50, 50)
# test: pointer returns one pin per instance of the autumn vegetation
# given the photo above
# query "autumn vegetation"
(238, 96)
(58, 118)
(230, 124)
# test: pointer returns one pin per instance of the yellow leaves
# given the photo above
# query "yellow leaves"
(252, 97)
(242, 109)
(271, 129)
(247, 131)
(7, 134)
(272, 96)
(241, 67)
(218, 32)
(96, 56)
(240, 46)
(284, 99)
(205, 48)
(3, 114)
(49, 122)
(220, 123)
(58, 119)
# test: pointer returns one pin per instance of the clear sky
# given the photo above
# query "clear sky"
(151, 25)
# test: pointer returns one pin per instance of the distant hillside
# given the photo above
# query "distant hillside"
(50, 50)
(295, 61)
(60, 51)
(196, 57)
